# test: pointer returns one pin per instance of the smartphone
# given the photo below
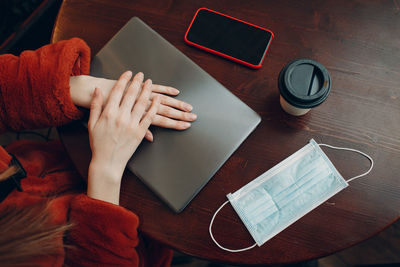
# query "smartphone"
(229, 37)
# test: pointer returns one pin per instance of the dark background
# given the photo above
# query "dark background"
(26, 24)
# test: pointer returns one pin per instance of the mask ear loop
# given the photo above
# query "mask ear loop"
(215, 241)
(357, 151)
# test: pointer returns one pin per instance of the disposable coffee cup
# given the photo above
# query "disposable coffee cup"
(303, 84)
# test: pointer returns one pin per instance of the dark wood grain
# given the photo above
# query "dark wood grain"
(358, 42)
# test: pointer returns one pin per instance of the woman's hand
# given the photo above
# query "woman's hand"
(116, 128)
(173, 113)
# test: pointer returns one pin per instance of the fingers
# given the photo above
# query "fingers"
(165, 89)
(136, 99)
(95, 108)
(117, 91)
(149, 136)
(175, 103)
(141, 103)
(151, 114)
(170, 123)
(173, 113)
(132, 92)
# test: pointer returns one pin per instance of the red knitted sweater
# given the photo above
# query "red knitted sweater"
(34, 92)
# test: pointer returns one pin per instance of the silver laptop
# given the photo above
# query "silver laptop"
(178, 164)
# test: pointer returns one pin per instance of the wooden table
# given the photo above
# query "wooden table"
(358, 42)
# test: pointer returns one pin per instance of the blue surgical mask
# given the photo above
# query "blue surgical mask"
(285, 193)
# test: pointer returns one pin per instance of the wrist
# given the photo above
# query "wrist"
(105, 171)
(104, 182)
(82, 88)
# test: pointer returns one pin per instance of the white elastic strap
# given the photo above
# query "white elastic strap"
(215, 241)
(357, 151)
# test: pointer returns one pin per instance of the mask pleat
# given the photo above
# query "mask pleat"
(296, 203)
(300, 186)
(287, 177)
(291, 197)
(261, 203)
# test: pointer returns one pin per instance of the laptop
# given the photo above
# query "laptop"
(178, 164)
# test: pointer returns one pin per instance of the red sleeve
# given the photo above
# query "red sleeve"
(106, 234)
(5, 159)
(34, 87)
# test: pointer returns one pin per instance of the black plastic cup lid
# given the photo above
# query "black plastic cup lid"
(304, 83)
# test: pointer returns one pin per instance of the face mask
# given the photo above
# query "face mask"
(285, 193)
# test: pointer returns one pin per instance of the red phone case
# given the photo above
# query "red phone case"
(222, 54)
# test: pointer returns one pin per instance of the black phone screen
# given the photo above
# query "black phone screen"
(229, 36)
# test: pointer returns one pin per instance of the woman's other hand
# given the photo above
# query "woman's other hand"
(116, 128)
(173, 113)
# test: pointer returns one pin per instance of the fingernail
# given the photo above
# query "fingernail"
(186, 124)
(141, 74)
(129, 72)
(193, 116)
(175, 91)
(149, 136)
(188, 107)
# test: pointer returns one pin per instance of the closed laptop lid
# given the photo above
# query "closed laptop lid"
(178, 164)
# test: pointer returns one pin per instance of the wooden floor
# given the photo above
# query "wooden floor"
(382, 249)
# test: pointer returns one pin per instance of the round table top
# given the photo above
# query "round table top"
(358, 42)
